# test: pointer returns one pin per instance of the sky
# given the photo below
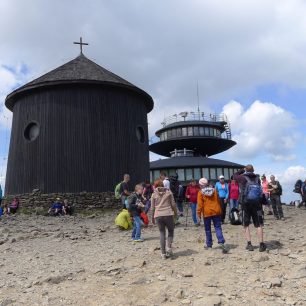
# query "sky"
(247, 57)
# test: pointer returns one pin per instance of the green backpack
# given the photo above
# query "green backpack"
(118, 191)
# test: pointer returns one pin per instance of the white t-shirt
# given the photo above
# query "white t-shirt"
(166, 183)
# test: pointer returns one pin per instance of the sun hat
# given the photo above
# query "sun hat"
(203, 181)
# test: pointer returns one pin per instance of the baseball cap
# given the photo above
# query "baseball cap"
(221, 177)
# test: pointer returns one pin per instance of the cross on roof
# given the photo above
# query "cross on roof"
(81, 44)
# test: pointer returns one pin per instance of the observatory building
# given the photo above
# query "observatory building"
(189, 139)
(77, 128)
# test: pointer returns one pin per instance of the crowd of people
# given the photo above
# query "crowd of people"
(248, 196)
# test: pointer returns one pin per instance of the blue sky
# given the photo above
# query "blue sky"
(248, 59)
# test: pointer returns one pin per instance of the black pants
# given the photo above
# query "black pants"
(163, 223)
(223, 208)
(277, 206)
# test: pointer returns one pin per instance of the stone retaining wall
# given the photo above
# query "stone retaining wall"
(82, 200)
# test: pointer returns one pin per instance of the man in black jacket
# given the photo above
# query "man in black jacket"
(276, 191)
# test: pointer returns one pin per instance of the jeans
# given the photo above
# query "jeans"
(193, 207)
(124, 202)
(147, 206)
(136, 234)
(277, 206)
(217, 224)
(180, 208)
(163, 223)
(223, 207)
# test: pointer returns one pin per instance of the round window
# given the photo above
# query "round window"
(31, 131)
(140, 134)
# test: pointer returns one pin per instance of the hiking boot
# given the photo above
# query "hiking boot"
(276, 217)
(207, 247)
(249, 247)
(262, 247)
(163, 256)
(197, 224)
(282, 218)
(224, 248)
(139, 240)
(169, 253)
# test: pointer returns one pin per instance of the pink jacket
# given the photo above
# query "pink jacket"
(234, 191)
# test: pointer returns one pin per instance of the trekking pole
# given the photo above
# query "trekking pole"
(186, 213)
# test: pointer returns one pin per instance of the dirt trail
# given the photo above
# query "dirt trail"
(88, 261)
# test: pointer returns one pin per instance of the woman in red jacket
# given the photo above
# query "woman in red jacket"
(192, 196)
(234, 195)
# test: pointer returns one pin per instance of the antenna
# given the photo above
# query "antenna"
(198, 97)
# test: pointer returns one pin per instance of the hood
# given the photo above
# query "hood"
(250, 174)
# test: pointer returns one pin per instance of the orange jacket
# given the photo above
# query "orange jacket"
(208, 206)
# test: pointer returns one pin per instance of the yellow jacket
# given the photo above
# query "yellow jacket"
(208, 206)
(124, 220)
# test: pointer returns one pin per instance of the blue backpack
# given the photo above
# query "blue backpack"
(253, 190)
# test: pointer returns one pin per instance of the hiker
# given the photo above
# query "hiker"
(303, 193)
(57, 208)
(67, 208)
(180, 200)
(147, 193)
(124, 220)
(275, 189)
(135, 207)
(266, 194)
(209, 207)
(124, 190)
(233, 195)
(13, 206)
(251, 194)
(223, 193)
(164, 178)
(178, 193)
(192, 196)
(163, 214)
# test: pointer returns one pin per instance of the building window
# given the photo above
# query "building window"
(181, 174)
(156, 174)
(196, 173)
(169, 134)
(179, 132)
(189, 175)
(196, 131)
(190, 131)
(172, 172)
(213, 175)
(31, 131)
(151, 176)
(184, 131)
(173, 133)
(206, 131)
(219, 172)
(226, 174)
(201, 129)
(206, 173)
(231, 171)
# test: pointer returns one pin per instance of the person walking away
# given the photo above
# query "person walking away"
(209, 207)
(124, 190)
(135, 208)
(163, 214)
(192, 196)
(164, 178)
(124, 220)
(180, 200)
(223, 193)
(147, 193)
(266, 193)
(251, 193)
(303, 193)
(276, 191)
(178, 194)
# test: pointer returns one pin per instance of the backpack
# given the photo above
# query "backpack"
(298, 186)
(174, 187)
(118, 191)
(235, 218)
(253, 190)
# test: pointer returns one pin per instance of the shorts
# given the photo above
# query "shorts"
(252, 210)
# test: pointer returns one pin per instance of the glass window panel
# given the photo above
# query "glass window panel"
(165, 135)
(219, 172)
(190, 131)
(226, 174)
(231, 171)
(184, 131)
(196, 130)
(162, 137)
(189, 174)
(206, 173)
(215, 132)
(151, 176)
(196, 173)
(206, 131)
(173, 132)
(213, 175)
(201, 130)
(179, 132)
(211, 132)
(169, 134)
(181, 174)
(172, 172)
(218, 133)
(155, 175)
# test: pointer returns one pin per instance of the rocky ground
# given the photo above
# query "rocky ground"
(88, 261)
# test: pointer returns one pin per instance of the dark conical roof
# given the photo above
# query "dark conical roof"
(79, 70)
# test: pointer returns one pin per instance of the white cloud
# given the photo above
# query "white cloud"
(262, 128)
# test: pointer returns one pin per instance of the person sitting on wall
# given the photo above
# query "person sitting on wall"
(124, 220)
(57, 208)
(67, 208)
(13, 207)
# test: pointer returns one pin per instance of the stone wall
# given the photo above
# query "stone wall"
(82, 200)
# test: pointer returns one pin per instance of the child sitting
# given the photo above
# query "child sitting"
(57, 208)
(135, 209)
(13, 207)
(209, 207)
(123, 220)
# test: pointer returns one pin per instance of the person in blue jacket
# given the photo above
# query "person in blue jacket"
(223, 193)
